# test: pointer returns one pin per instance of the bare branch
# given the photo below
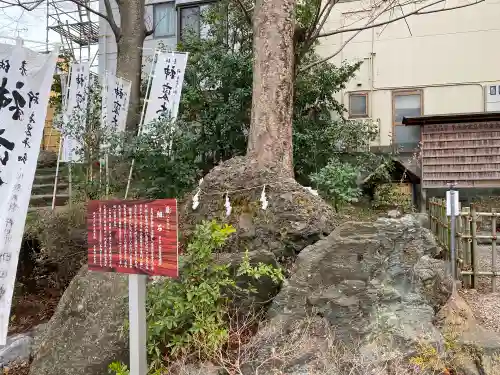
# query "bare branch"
(312, 65)
(325, 14)
(321, 61)
(108, 17)
(371, 25)
(406, 21)
(322, 15)
(317, 16)
(28, 5)
(417, 12)
(111, 19)
(148, 31)
(245, 11)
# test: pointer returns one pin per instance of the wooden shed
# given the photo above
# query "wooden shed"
(402, 180)
(463, 149)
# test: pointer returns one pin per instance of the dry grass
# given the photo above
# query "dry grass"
(30, 310)
(47, 267)
(311, 347)
(62, 237)
(18, 368)
(361, 213)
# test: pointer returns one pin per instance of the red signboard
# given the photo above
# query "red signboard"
(139, 237)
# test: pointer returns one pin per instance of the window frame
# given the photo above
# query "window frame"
(180, 8)
(198, 5)
(359, 93)
(155, 36)
(396, 93)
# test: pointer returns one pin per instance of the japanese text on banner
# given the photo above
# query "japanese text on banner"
(26, 78)
(166, 87)
(75, 112)
(116, 103)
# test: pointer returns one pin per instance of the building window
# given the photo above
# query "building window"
(164, 16)
(191, 20)
(358, 104)
(406, 104)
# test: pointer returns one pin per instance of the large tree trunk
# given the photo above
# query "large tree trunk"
(270, 138)
(129, 44)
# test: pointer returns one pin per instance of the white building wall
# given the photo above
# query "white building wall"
(449, 55)
(107, 44)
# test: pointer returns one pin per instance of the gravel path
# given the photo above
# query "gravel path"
(483, 283)
(486, 308)
(484, 303)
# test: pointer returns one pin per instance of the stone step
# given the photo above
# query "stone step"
(46, 208)
(42, 189)
(46, 200)
(49, 179)
(47, 171)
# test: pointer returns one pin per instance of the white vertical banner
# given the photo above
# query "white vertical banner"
(76, 111)
(104, 100)
(25, 83)
(117, 102)
(166, 86)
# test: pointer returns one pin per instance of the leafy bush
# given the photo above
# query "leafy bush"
(390, 196)
(189, 315)
(118, 368)
(158, 174)
(337, 181)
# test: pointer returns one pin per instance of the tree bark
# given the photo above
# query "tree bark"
(270, 138)
(129, 53)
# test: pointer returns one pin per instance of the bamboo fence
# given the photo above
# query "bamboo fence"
(466, 239)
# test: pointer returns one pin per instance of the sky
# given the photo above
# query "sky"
(31, 25)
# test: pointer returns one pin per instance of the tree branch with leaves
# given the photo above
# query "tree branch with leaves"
(312, 17)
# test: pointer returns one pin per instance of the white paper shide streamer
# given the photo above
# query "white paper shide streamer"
(196, 198)
(228, 205)
(311, 190)
(26, 79)
(76, 111)
(263, 198)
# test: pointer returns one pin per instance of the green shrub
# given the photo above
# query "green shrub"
(337, 181)
(189, 315)
(390, 196)
(117, 368)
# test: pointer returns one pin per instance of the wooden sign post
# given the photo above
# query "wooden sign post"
(139, 238)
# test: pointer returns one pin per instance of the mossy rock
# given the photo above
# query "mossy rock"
(47, 159)
(294, 218)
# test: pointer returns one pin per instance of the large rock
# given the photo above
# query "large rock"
(86, 332)
(294, 219)
(18, 348)
(47, 159)
(355, 302)
(476, 350)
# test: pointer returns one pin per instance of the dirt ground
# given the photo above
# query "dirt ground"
(483, 302)
(32, 309)
(21, 368)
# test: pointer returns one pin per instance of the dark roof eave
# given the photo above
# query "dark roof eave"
(452, 118)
